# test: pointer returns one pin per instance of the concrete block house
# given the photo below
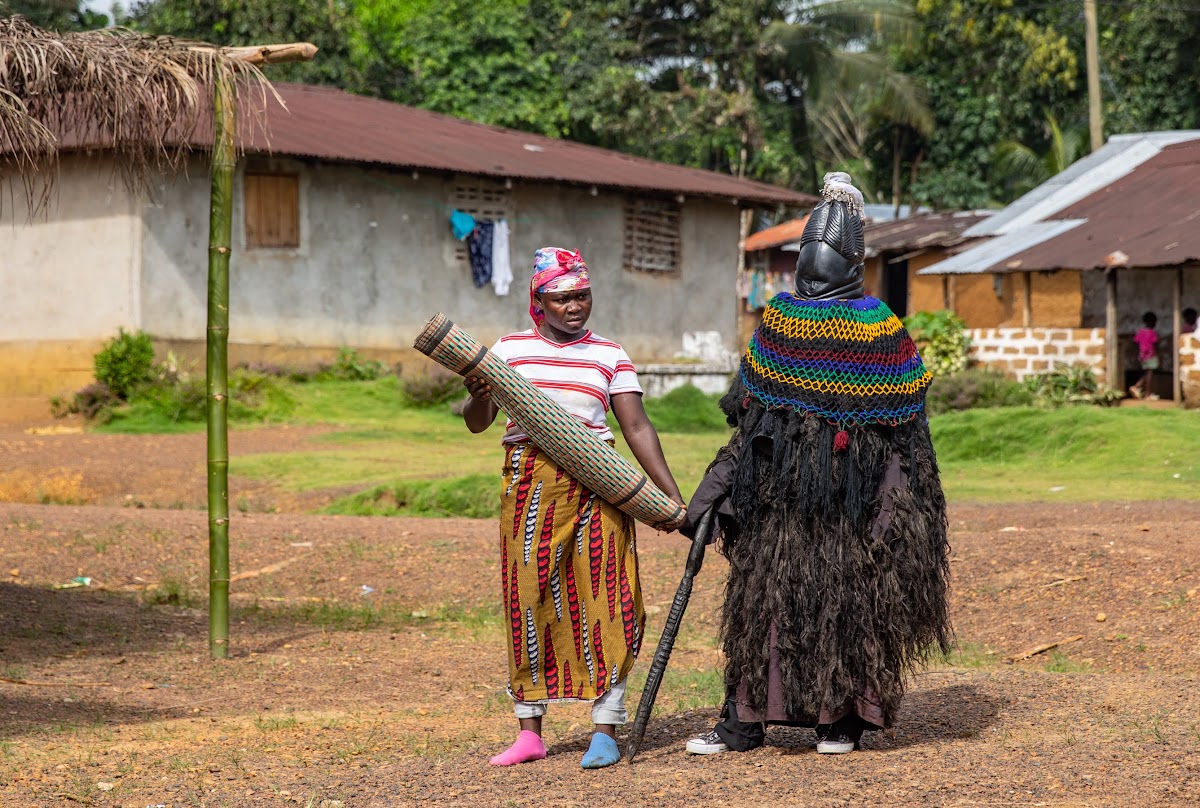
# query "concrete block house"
(342, 237)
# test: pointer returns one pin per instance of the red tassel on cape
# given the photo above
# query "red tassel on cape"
(841, 440)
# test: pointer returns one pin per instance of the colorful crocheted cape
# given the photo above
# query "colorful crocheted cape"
(848, 361)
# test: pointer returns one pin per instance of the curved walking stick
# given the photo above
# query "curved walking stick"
(670, 631)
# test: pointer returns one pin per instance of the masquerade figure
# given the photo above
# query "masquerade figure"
(568, 559)
(829, 503)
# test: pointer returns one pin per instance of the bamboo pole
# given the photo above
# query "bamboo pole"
(273, 54)
(220, 228)
(224, 158)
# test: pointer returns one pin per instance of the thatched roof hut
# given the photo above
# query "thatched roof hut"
(142, 94)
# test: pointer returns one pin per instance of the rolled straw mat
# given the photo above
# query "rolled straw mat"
(559, 434)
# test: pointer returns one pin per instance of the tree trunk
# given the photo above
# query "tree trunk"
(224, 159)
(802, 140)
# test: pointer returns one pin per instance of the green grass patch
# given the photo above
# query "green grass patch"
(411, 454)
(350, 616)
(686, 410)
(1073, 453)
(423, 460)
(965, 655)
(476, 496)
(1058, 662)
(682, 689)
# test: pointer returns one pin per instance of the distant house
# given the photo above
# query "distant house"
(896, 249)
(342, 238)
(769, 269)
(1078, 260)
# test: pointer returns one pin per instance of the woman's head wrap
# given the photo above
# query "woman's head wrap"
(830, 265)
(555, 270)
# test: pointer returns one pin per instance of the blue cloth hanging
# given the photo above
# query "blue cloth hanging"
(461, 224)
(479, 250)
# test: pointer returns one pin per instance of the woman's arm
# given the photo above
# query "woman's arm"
(480, 411)
(643, 440)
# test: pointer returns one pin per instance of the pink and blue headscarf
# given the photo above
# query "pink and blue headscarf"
(555, 270)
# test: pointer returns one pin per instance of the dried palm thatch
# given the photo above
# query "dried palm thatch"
(141, 96)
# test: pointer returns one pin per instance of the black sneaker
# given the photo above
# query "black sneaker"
(840, 737)
(709, 743)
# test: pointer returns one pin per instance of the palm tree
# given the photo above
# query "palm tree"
(822, 48)
(1022, 169)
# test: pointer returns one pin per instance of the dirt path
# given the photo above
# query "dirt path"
(367, 667)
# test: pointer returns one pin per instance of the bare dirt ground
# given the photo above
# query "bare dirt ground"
(368, 668)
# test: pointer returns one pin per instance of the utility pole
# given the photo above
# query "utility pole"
(1092, 47)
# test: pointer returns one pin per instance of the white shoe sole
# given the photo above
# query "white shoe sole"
(832, 748)
(705, 748)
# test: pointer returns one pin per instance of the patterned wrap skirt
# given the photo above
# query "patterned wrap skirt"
(570, 578)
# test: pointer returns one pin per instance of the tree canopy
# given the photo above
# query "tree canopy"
(915, 97)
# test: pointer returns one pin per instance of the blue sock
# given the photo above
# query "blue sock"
(603, 752)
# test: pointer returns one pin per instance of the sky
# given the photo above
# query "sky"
(103, 6)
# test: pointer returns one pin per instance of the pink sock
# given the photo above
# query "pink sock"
(527, 747)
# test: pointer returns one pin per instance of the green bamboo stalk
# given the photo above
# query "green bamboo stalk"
(224, 158)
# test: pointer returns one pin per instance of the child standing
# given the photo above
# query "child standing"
(1147, 342)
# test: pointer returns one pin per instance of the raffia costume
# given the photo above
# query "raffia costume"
(829, 501)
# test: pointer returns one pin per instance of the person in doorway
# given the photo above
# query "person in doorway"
(1146, 340)
(830, 506)
(1189, 321)
(569, 566)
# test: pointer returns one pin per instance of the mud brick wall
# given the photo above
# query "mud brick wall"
(1021, 352)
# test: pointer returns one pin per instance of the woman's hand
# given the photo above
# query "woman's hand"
(478, 388)
(480, 410)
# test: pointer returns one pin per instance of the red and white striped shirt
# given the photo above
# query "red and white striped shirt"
(582, 375)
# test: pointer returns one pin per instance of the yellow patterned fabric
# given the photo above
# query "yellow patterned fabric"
(570, 583)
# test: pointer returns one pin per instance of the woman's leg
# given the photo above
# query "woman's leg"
(608, 711)
(529, 745)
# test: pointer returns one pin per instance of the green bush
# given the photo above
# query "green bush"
(942, 340)
(476, 496)
(686, 410)
(1070, 384)
(975, 388)
(125, 362)
(432, 388)
(94, 402)
(350, 366)
(179, 397)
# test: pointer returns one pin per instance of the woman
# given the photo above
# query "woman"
(569, 567)
(829, 500)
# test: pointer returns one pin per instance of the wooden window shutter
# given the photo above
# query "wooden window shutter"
(272, 210)
(652, 236)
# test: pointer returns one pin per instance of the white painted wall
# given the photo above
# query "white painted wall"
(72, 272)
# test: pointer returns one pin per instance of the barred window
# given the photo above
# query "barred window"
(483, 199)
(652, 236)
(271, 204)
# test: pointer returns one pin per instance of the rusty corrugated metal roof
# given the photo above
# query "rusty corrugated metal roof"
(329, 124)
(1148, 218)
(923, 231)
(778, 235)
